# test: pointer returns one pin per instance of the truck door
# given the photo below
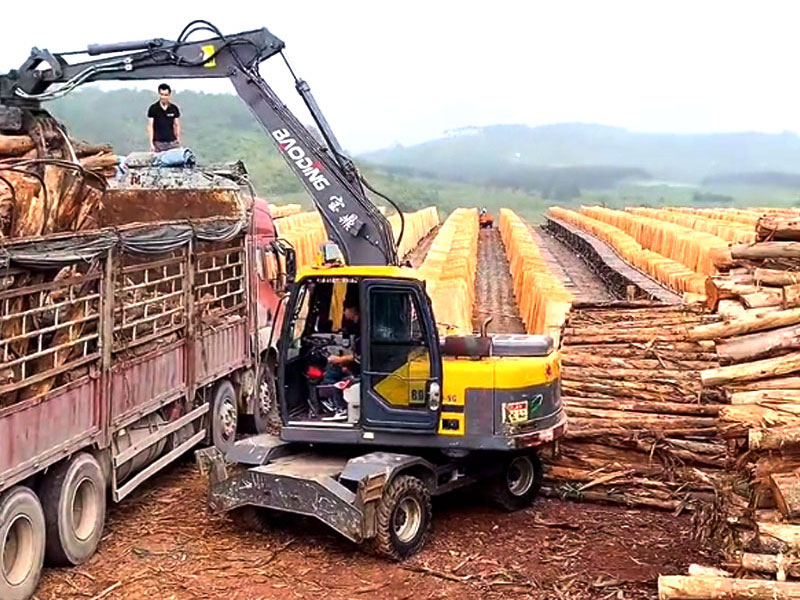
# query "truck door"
(401, 379)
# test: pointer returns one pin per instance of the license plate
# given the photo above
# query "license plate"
(515, 412)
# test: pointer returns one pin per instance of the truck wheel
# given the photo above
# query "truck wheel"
(224, 416)
(74, 498)
(403, 518)
(22, 541)
(265, 412)
(518, 484)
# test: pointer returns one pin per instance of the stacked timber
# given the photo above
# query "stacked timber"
(642, 431)
(541, 296)
(449, 271)
(49, 183)
(675, 275)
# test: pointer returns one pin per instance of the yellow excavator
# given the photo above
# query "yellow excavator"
(406, 415)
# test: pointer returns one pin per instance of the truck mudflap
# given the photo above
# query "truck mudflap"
(303, 484)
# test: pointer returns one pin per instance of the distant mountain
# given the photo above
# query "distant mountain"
(479, 154)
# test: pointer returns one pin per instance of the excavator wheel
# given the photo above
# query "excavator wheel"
(403, 519)
(518, 483)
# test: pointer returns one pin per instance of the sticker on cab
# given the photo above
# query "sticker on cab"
(515, 412)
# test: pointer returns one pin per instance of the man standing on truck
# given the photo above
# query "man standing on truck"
(164, 122)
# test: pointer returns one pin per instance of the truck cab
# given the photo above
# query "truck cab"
(401, 383)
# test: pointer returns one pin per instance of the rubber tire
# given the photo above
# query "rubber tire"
(270, 421)
(64, 547)
(224, 392)
(253, 518)
(21, 500)
(385, 543)
(501, 496)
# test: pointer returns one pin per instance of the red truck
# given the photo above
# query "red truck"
(121, 348)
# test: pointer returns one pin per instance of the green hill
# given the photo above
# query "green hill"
(218, 127)
(480, 154)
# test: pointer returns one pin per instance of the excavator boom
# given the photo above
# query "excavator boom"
(362, 233)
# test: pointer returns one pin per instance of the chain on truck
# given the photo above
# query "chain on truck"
(424, 414)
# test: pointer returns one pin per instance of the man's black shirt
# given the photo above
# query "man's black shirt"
(163, 121)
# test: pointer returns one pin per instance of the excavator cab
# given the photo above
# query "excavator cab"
(359, 354)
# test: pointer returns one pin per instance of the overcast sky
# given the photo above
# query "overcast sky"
(406, 71)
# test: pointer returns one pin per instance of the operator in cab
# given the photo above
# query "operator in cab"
(340, 367)
(164, 122)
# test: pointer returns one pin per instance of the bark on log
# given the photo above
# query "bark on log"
(765, 297)
(761, 396)
(720, 288)
(773, 438)
(762, 250)
(771, 227)
(779, 383)
(667, 408)
(786, 490)
(752, 371)
(98, 162)
(682, 587)
(14, 145)
(731, 309)
(776, 277)
(770, 563)
(791, 295)
(757, 415)
(749, 324)
(702, 571)
(786, 535)
(759, 345)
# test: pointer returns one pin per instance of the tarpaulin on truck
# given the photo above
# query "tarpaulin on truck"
(153, 239)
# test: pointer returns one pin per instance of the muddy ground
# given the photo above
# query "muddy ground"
(162, 543)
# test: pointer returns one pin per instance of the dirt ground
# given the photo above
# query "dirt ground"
(161, 543)
(494, 294)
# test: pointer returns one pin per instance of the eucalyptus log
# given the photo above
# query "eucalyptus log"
(774, 438)
(766, 395)
(762, 250)
(763, 298)
(761, 415)
(785, 534)
(770, 563)
(14, 145)
(682, 587)
(99, 162)
(748, 324)
(752, 371)
(776, 277)
(668, 408)
(779, 383)
(774, 227)
(722, 288)
(731, 309)
(786, 490)
(759, 345)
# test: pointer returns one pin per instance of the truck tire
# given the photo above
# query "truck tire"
(518, 484)
(74, 499)
(224, 416)
(403, 518)
(265, 410)
(22, 541)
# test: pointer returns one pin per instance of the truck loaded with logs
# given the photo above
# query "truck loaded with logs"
(135, 319)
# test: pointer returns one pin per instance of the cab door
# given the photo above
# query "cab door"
(401, 375)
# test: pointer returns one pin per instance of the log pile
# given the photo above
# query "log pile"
(643, 432)
(49, 183)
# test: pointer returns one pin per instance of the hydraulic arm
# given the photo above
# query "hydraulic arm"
(351, 219)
